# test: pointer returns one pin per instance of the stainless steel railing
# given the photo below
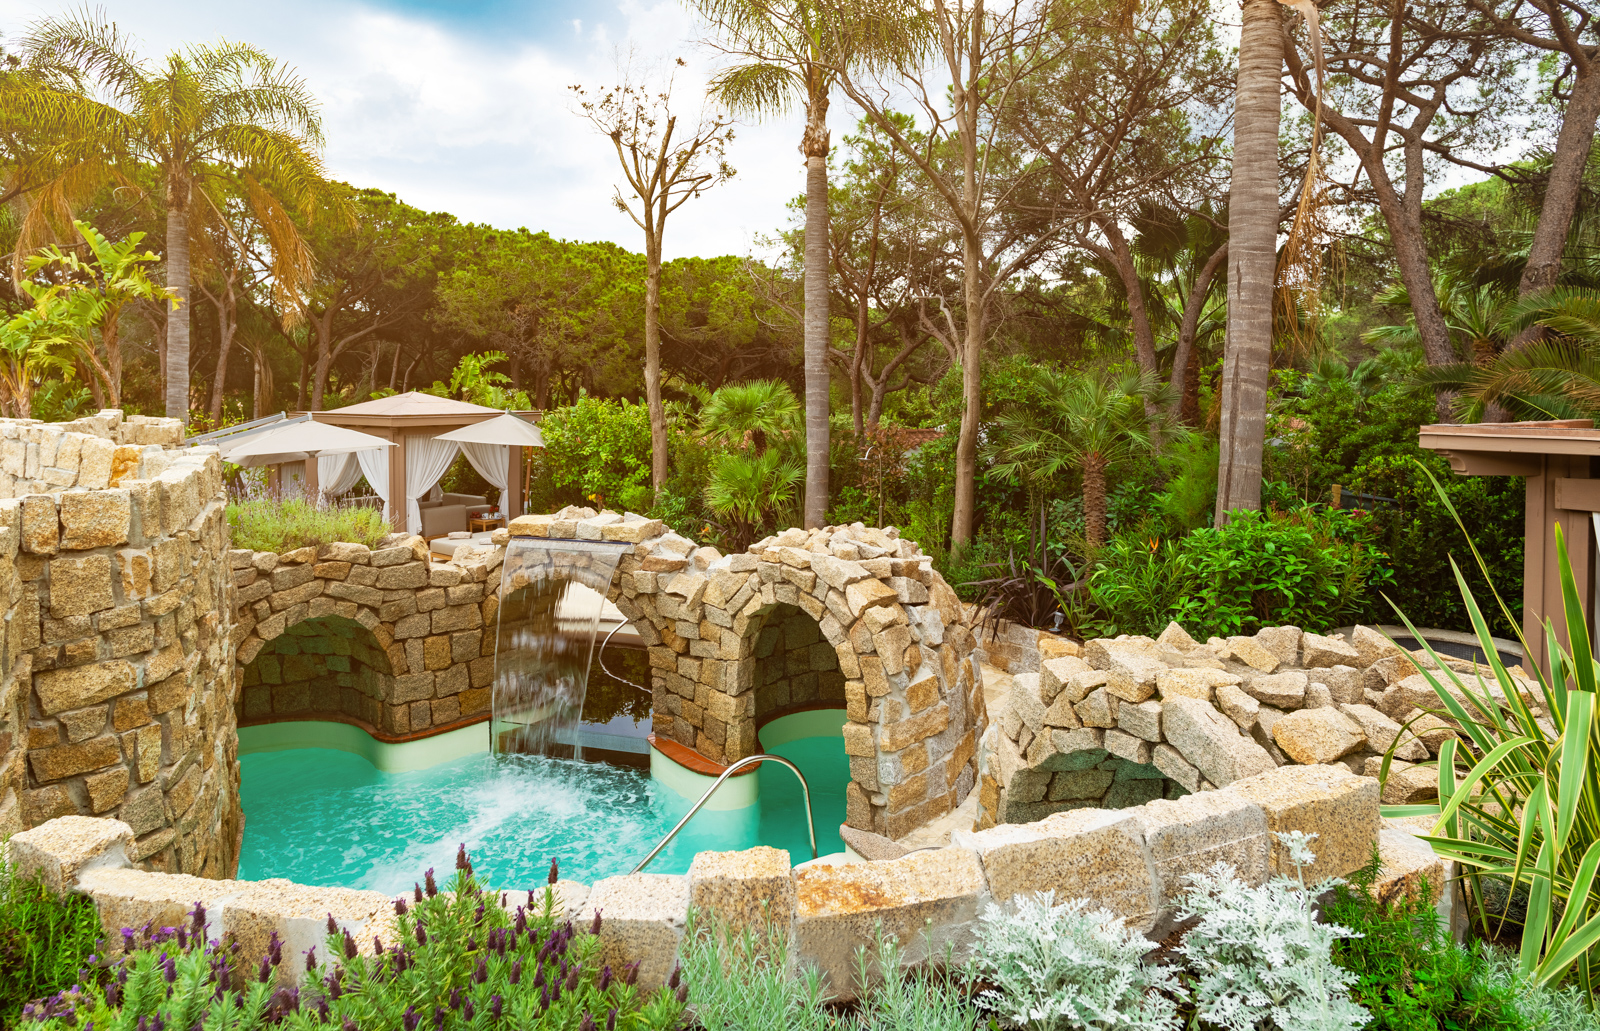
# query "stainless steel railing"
(752, 760)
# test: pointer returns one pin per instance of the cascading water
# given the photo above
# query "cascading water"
(545, 642)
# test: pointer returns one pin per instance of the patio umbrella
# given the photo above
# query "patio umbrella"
(502, 429)
(310, 438)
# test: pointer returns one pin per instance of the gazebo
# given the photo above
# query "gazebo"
(414, 422)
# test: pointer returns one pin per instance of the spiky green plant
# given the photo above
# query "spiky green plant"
(1521, 800)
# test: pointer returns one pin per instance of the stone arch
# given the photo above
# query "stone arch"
(325, 666)
(900, 639)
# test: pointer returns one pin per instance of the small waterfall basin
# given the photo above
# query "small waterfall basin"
(354, 813)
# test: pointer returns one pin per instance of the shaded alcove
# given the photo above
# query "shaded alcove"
(795, 667)
(328, 666)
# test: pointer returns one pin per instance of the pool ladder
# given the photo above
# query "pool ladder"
(751, 760)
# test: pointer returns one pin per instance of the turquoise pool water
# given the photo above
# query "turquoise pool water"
(330, 817)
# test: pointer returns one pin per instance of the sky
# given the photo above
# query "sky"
(463, 105)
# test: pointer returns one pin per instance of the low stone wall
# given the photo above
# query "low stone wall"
(116, 695)
(1132, 862)
(1207, 715)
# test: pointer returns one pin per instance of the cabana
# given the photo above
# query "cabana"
(1560, 461)
(418, 425)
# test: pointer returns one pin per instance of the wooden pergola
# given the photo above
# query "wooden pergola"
(413, 413)
(1560, 461)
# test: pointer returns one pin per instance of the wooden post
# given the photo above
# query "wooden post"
(310, 479)
(511, 504)
(397, 482)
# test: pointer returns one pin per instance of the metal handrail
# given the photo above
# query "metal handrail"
(607, 670)
(750, 760)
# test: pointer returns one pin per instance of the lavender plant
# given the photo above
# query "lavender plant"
(1260, 959)
(1056, 967)
(457, 960)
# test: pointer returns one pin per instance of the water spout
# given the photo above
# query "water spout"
(545, 642)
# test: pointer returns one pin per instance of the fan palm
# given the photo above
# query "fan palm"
(1083, 419)
(202, 112)
(1555, 378)
(746, 490)
(756, 414)
(793, 50)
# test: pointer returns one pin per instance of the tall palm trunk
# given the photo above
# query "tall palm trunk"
(1252, 259)
(177, 366)
(816, 327)
(652, 359)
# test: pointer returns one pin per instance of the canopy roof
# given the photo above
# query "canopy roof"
(505, 429)
(413, 402)
(310, 438)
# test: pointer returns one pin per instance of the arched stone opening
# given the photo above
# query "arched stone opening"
(795, 666)
(325, 667)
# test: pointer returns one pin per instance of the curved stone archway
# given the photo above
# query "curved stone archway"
(890, 634)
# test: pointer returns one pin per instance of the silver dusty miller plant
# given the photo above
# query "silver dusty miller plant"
(1059, 967)
(1259, 957)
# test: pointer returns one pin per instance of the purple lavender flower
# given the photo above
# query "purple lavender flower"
(611, 1020)
(555, 875)
(521, 920)
(463, 863)
(595, 927)
(587, 1024)
(349, 1025)
(496, 1006)
(538, 976)
(422, 934)
(516, 971)
(333, 925)
(683, 994)
(377, 946)
(455, 998)
(481, 974)
(409, 1020)
(438, 1018)
(275, 949)
(198, 915)
(400, 906)
(128, 939)
(416, 891)
(573, 975)
(265, 970)
(349, 946)
(169, 969)
(468, 1011)
(677, 975)
(429, 887)
(311, 959)
(605, 978)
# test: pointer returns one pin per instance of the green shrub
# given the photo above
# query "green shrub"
(459, 961)
(267, 525)
(1409, 974)
(596, 453)
(47, 942)
(1309, 567)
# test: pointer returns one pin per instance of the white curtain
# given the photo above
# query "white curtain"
(491, 461)
(374, 465)
(336, 474)
(427, 459)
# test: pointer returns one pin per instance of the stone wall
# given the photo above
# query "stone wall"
(1132, 862)
(1208, 715)
(116, 696)
(387, 639)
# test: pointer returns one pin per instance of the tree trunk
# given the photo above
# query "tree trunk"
(816, 339)
(1144, 338)
(1252, 259)
(1094, 501)
(652, 359)
(177, 365)
(227, 324)
(971, 398)
(1566, 177)
(111, 342)
(1185, 358)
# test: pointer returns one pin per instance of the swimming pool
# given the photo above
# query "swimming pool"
(330, 816)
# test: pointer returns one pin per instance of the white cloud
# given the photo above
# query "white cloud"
(475, 118)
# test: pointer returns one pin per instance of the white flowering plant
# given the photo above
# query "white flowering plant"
(1260, 960)
(1055, 967)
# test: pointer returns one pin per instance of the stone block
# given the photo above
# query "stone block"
(1101, 652)
(1282, 641)
(1318, 735)
(1189, 683)
(59, 852)
(40, 525)
(1343, 683)
(1253, 654)
(1189, 835)
(1098, 709)
(1211, 742)
(77, 686)
(642, 919)
(929, 901)
(1172, 763)
(80, 586)
(1084, 853)
(1238, 706)
(746, 890)
(1381, 732)
(1371, 646)
(1317, 650)
(868, 594)
(1340, 808)
(1127, 746)
(95, 519)
(1132, 678)
(1281, 690)
(1055, 675)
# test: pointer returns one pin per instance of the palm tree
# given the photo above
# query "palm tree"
(753, 414)
(202, 112)
(746, 490)
(792, 51)
(1252, 258)
(1083, 419)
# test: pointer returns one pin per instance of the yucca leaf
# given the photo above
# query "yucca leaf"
(1574, 762)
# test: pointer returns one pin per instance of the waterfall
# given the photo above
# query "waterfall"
(545, 641)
